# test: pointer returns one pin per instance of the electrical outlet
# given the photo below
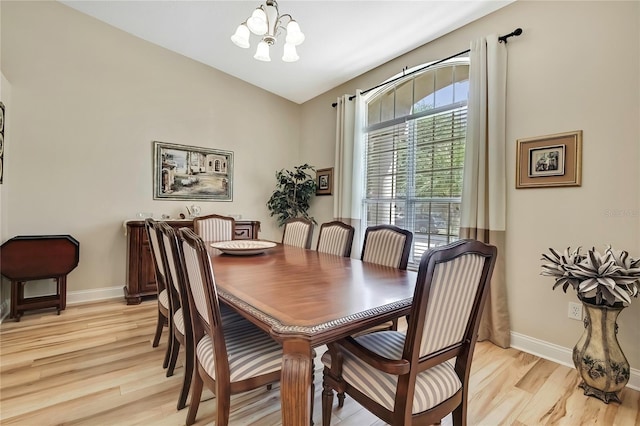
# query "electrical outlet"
(575, 311)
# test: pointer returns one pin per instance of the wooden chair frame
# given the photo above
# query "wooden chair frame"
(411, 363)
(164, 314)
(176, 285)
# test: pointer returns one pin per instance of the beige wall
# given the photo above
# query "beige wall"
(5, 285)
(575, 67)
(89, 100)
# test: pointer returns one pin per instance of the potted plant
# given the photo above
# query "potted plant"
(293, 193)
(604, 283)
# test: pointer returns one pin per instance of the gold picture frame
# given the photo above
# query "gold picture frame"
(324, 181)
(549, 161)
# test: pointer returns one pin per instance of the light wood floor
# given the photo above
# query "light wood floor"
(94, 365)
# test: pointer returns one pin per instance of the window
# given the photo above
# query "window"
(414, 152)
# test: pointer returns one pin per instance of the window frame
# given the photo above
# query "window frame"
(413, 204)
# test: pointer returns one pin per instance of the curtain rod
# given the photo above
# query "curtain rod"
(501, 39)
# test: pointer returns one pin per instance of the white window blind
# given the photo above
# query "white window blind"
(413, 167)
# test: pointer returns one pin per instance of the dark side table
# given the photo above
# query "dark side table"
(37, 257)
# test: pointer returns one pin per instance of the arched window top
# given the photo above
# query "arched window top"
(441, 86)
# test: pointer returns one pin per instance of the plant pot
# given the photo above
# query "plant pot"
(597, 355)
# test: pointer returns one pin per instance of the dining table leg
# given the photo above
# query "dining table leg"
(295, 382)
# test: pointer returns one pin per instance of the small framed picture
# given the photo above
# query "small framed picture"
(547, 161)
(1, 141)
(324, 181)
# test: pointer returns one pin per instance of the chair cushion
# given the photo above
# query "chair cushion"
(163, 299)
(251, 352)
(433, 386)
(178, 321)
(228, 315)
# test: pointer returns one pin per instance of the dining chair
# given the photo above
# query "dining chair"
(231, 359)
(180, 314)
(409, 378)
(298, 232)
(387, 245)
(180, 310)
(164, 304)
(213, 227)
(335, 238)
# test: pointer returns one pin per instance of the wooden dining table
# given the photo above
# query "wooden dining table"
(305, 299)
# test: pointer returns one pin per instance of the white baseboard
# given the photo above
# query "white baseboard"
(77, 297)
(558, 354)
(94, 295)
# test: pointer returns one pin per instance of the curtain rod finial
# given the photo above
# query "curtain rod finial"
(516, 32)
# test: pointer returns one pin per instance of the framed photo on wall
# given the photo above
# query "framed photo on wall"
(1, 142)
(324, 181)
(182, 172)
(548, 161)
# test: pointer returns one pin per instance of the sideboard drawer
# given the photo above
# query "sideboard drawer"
(246, 230)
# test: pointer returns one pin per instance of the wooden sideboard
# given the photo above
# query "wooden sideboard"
(141, 277)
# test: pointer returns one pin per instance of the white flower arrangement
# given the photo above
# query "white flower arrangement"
(601, 279)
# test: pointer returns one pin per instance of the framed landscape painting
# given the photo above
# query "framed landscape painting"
(182, 172)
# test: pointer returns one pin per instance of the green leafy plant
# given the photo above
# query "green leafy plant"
(293, 193)
(606, 279)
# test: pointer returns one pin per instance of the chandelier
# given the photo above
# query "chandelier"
(267, 23)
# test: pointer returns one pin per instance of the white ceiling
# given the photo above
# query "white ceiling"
(343, 38)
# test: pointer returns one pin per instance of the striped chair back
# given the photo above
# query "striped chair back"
(200, 283)
(298, 232)
(213, 227)
(452, 284)
(175, 275)
(453, 290)
(387, 245)
(168, 234)
(335, 238)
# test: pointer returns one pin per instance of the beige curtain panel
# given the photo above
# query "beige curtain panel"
(347, 174)
(483, 210)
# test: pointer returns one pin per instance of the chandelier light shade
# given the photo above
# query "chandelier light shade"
(290, 54)
(241, 37)
(266, 22)
(262, 52)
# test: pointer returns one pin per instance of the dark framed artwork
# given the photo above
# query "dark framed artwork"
(182, 172)
(548, 161)
(324, 181)
(1, 142)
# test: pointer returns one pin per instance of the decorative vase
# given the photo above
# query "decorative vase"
(597, 355)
